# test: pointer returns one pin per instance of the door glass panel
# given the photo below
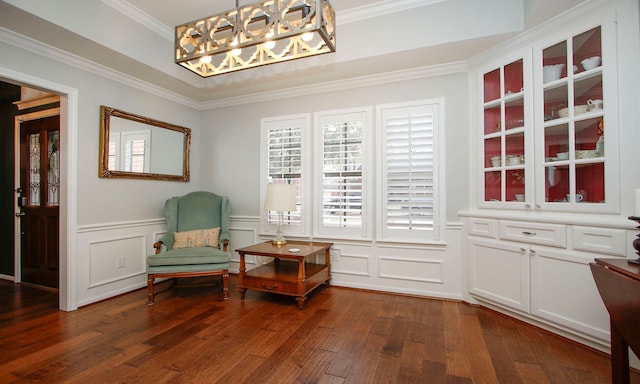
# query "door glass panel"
(53, 170)
(34, 169)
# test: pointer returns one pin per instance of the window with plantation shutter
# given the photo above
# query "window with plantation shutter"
(283, 161)
(341, 172)
(408, 165)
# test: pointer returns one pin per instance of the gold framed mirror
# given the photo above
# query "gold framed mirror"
(137, 147)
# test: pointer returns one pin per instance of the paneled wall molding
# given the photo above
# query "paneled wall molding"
(117, 225)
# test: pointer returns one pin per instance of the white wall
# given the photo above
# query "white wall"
(233, 134)
(98, 207)
(232, 157)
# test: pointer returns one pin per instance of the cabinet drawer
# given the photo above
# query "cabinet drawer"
(553, 235)
(271, 285)
(600, 240)
(482, 227)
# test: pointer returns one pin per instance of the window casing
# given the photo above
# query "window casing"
(409, 160)
(341, 172)
(284, 161)
(336, 176)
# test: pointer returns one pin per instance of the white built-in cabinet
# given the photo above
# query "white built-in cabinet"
(543, 117)
(530, 268)
(547, 134)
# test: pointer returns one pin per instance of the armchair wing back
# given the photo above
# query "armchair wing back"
(195, 211)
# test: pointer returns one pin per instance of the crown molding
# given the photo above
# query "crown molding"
(377, 9)
(381, 8)
(339, 85)
(39, 48)
(140, 17)
(572, 16)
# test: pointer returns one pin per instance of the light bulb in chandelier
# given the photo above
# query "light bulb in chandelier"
(237, 51)
(269, 44)
(307, 36)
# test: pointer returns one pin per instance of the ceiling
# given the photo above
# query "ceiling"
(373, 37)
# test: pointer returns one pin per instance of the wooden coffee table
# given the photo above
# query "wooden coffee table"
(290, 273)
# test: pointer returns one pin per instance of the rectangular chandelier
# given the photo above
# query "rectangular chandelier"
(266, 32)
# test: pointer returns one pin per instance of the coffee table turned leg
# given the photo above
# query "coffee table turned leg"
(300, 300)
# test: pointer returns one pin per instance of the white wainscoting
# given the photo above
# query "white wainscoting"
(112, 260)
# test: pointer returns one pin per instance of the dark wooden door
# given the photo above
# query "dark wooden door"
(39, 200)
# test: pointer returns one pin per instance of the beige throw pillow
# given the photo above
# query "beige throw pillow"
(197, 238)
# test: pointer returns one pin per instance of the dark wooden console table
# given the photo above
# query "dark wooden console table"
(618, 282)
(295, 275)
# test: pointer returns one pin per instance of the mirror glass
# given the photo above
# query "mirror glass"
(133, 146)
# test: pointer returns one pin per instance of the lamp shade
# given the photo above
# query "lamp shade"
(280, 197)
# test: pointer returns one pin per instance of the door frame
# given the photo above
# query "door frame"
(68, 291)
(19, 119)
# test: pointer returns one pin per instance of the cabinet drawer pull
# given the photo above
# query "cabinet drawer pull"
(265, 286)
(528, 233)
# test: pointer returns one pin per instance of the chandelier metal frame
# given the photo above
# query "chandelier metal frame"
(266, 32)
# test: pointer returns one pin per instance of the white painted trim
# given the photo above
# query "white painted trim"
(382, 8)
(39, 48)
(68, 295)
(140, 17)
(339, 85)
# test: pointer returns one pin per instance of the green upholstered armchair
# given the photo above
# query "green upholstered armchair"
(190, 248)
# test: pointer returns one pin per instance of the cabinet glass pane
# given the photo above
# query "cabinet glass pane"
(587, 50)
(514, 113)
(513, 78)
(492, 152)
(492, 121)
(556, 143)
(515, 184)
(556, 183)
(554, 63)
(492, 85)
(588, 134)
(556, 102)
(590, 183)
(514, 150)
(492, 186)
(588, 94)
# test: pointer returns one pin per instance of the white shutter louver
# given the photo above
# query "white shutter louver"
(409, 194)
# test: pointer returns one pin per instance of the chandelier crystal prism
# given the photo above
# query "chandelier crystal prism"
(266, 32)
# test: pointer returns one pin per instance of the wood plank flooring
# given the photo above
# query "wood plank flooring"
(341, 336)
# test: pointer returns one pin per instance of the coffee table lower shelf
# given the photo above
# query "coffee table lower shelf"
(286, 277)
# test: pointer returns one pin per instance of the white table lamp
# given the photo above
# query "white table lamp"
(280, 198)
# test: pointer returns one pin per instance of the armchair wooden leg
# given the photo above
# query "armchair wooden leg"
(225, 284)
(150, 290)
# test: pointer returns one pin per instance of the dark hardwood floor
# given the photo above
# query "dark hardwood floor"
(341, 336)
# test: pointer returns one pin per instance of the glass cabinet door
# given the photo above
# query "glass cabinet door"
(504, 133)
(573, 115)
